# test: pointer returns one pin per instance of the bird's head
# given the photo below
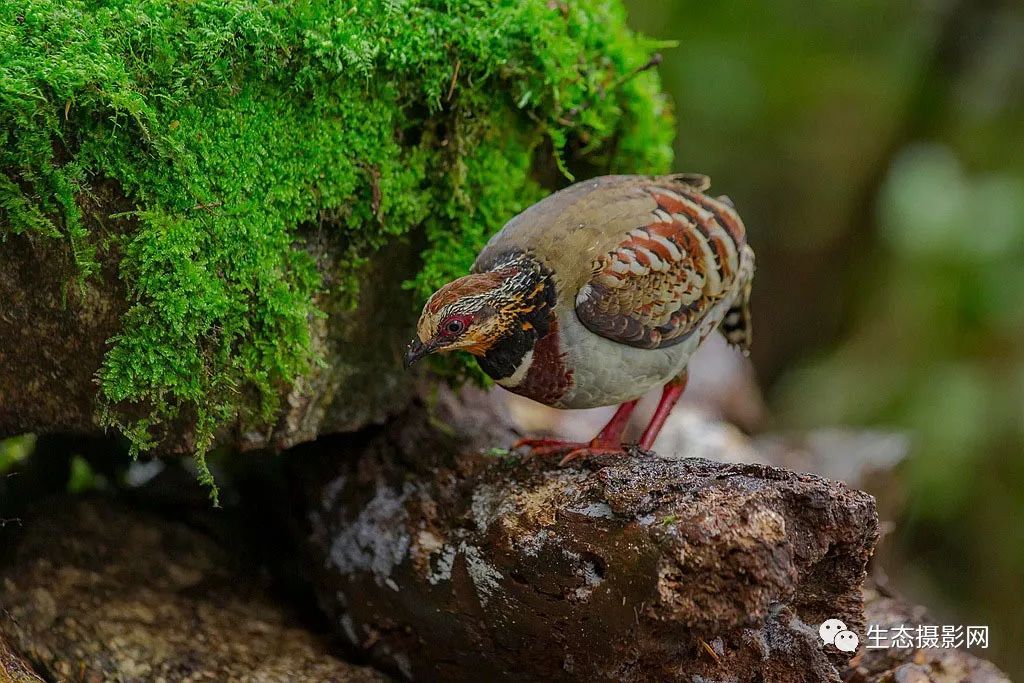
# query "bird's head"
(476, 313)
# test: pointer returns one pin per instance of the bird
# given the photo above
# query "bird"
(596, 295)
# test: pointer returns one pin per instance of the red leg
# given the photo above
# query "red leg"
(608, 439)
(669, 396)
(611, 434)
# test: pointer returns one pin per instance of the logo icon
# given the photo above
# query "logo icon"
(829, 629)
(834, 632)
(847, 641)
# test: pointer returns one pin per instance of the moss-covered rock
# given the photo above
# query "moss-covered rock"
(220, 174)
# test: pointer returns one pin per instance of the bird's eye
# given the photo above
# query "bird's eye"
(454, 326)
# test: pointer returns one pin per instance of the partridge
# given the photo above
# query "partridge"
(597, 294)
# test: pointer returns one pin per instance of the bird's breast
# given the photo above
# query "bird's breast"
(571, 367)
(542, 373)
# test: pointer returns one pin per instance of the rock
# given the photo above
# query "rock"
(51, 350)
(438, 563)
(442, 564)
(859, 457)
(95, 592)
(54, 345)
(913, 665)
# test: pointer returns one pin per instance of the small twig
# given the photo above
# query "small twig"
(710, 651)
(568, 119)
(211, 205)
(654, 61)
(375, 192)
(455, 78)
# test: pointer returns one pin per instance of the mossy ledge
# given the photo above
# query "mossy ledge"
(242, 140)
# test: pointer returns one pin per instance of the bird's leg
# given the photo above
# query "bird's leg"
(609, 439)
(610, 435)
(669, 396)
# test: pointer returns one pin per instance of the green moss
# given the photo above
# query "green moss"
(234, 126)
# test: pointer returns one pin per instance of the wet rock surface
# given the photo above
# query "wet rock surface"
(442, 565)
(97, 592)
(437, 557)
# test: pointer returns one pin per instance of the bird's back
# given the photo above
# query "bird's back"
(570, 230)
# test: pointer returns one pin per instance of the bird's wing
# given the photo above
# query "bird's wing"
(656, 284)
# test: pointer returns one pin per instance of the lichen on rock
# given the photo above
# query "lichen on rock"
(237, 136)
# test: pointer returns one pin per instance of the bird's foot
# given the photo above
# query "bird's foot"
(591, 451)
(548, 447)
(572, 450)
(551, 446)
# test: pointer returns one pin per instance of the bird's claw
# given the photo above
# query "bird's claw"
(572, 450)
(550, 445)
(590, 452)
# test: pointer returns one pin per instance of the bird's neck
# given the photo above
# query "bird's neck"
(532, 304)
(510, 358)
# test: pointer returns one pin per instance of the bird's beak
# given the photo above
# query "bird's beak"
(417, 350)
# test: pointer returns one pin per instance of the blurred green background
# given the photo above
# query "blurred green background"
(876, 151)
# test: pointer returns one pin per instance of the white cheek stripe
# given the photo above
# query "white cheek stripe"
(517, 377)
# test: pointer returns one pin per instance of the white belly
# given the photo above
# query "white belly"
(608, 373)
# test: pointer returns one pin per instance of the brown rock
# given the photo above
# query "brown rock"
(54, 334)
(94, 592)
(470, 567)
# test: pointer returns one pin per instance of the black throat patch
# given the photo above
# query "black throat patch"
(533, 288)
